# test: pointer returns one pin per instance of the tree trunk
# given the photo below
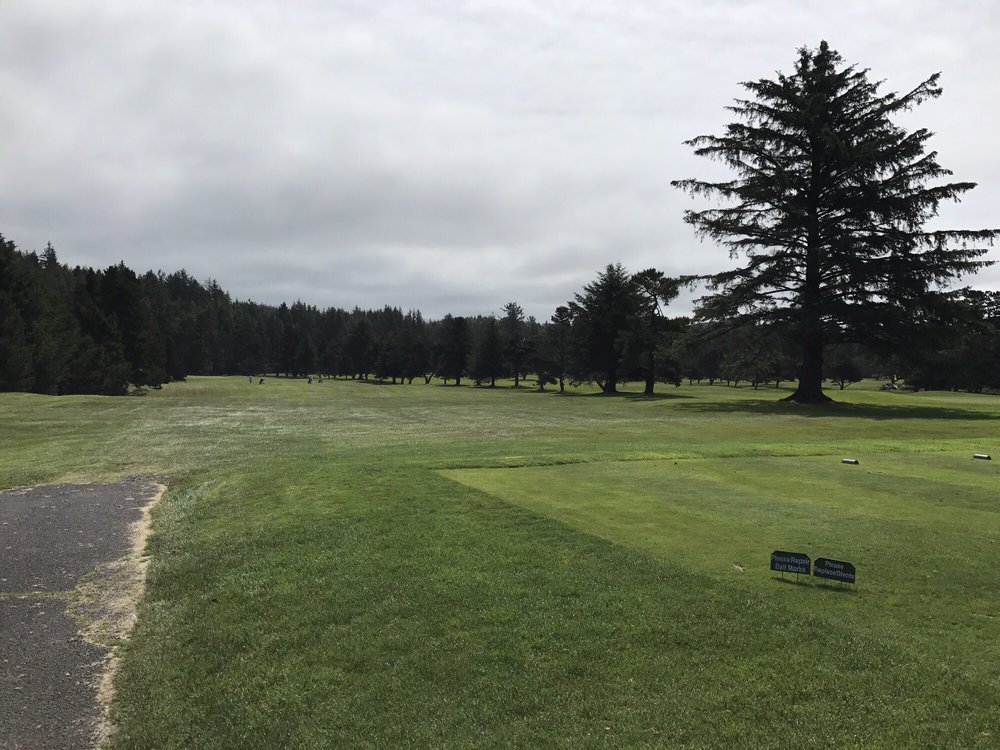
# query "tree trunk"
(611, 382)
(650, 382)
(810, 389)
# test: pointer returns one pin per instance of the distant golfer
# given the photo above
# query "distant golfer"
(260, 382)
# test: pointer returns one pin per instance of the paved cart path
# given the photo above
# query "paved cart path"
(54, 541)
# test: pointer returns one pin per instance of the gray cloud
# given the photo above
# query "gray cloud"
(433, 155)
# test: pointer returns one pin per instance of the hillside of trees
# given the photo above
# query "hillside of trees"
(79, 330)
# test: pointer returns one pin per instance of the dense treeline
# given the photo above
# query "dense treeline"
(79, 330)
(826, 211)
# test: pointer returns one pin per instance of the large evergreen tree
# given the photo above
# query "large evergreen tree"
(359, 348)
(648, 336)
(455, 343)
(36, 326)
(123, 302)
(516, 345)
(602, 315)
(828, 209)
(97, 361)
(552, 356)
(487, 355)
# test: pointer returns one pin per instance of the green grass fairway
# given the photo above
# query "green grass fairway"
(353, 565)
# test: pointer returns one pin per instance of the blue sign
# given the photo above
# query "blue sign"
(835, 570)
(790, 562)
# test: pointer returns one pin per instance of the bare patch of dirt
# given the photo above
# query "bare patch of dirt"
(105, 603)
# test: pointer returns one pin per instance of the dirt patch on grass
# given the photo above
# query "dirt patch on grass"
(105, 604)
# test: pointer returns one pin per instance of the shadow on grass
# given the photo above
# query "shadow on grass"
(811, 583)
(805, 580)
(548, 391)
(626, 395)
(416, 382)
(838, 588)
(836, 409)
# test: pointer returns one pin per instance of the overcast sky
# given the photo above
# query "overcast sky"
(441, 155)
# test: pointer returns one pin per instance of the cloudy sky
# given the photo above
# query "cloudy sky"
(432, 154)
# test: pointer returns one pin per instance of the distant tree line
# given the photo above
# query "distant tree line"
(960, 353)
(79, 330)
(839, 280)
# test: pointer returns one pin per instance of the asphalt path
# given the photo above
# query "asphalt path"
(50, 538)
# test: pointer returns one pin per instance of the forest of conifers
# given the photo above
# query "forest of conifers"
(79, 330)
